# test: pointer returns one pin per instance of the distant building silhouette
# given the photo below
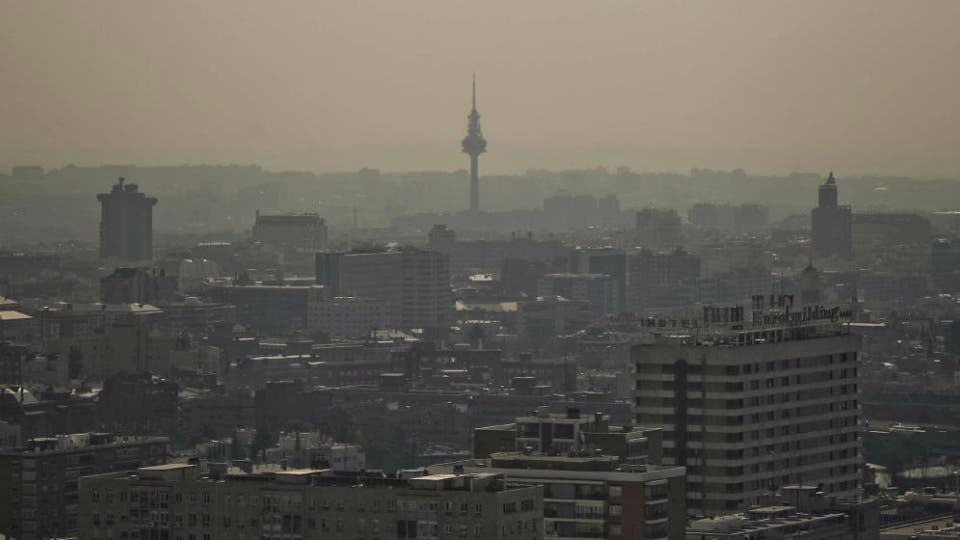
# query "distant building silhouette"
(831, 224)
(474, 144)
(305, 231)
(659, 228)
(126, 223)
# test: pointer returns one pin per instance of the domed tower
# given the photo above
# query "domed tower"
(828, 193)
(474, 144)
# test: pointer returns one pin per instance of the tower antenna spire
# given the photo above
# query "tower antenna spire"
(473, 145)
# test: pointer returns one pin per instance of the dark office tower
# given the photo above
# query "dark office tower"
(474, 144)
(126, 223)
(831, 224)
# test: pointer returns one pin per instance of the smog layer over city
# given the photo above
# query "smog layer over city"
(529, 269)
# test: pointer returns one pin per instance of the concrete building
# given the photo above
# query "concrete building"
(109, 338)
(303, 231)
(135, 285)
(17, 326)
(492, 256)
(658, 228)
(661, 278)
(594, 496)
(831, 224)
(303, 449)
(126, 223)
(12, 359)
(413, 283)
(937, 528)
(600, 291)
(540, 321)
(562, 434)
(608, 261)
(753, 403)
(799, 512)
(280, 309)
(194, 317)
(178, 501)
(39, 484)
(879, 230)
(744, 218)
(351, 316)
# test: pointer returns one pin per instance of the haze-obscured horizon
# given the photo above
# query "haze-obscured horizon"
(863, 87)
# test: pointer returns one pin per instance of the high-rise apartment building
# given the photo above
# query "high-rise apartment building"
(179, 502)
(414, 283)
(831, 225)
(39, 490)
(751, 403)
(126, 223)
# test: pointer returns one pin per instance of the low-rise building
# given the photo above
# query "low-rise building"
(562, 434)
(178, 501)
(802, 512)
(595, 496)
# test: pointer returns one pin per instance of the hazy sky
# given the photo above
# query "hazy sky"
(867, 86)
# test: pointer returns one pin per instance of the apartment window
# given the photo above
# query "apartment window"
(478, 509)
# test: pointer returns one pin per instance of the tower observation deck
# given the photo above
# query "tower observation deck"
(473, 145)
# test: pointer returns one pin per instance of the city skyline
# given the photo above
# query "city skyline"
(657, 87)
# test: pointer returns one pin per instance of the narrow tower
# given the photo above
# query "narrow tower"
(474, 144)
(126, 223)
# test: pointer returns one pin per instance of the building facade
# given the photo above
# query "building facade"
(178, 502)
(39, 484)
(351, 316)
(304, 231)
(413, 283)
(280, 309)
(595, 496)
(661, 278)
(751, 404)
